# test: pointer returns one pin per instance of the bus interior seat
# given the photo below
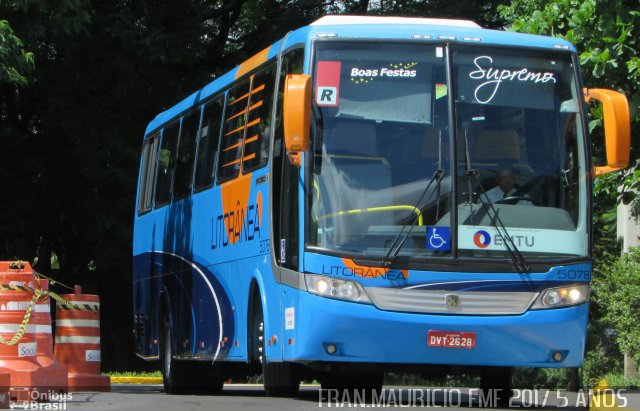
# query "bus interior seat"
(357, 172)
(494, 150)
(353, 151)
(415, 155)
(499, 146)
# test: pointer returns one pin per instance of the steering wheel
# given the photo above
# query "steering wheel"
(515, 199)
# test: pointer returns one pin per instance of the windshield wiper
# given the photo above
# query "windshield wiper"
(519, 262)
(398, 242)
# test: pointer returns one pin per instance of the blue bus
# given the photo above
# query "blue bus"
(371, 195)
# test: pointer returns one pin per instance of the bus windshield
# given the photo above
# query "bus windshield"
(512, 149)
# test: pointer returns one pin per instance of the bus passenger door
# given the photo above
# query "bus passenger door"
(285, 183)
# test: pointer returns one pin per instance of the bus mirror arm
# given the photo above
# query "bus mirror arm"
(617, 131)
(297, 116)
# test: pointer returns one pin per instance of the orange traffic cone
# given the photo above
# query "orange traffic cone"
(18, 346)
(77, 342)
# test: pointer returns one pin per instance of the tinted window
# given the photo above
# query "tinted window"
(256, 145)
(186, 154)
(147, 170)
(208, 144)
(166, 163)
(233, 132)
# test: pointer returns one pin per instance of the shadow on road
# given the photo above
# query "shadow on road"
(402, 397)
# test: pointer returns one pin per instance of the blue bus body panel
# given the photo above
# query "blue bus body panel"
(183, 250)
(364, 334)
(201, 258)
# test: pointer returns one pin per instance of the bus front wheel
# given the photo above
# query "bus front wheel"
(281, 379)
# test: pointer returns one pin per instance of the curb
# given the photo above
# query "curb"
(136, 380)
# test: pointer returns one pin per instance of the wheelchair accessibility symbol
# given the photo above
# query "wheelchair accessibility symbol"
(438, 238)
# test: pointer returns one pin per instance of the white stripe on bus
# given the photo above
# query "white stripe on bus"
(213, 293)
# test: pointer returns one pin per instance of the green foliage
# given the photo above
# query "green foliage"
(540, 378)
(15, 62)
(621, 295)
(605, 34)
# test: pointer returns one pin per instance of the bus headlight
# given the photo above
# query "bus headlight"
(562, 297)
(336, 288)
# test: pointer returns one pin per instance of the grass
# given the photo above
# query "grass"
(619, 381)
(151, 374)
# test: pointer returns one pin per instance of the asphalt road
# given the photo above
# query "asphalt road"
(251, 397)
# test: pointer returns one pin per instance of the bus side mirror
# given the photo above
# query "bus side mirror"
(617, 127)
(297, 116)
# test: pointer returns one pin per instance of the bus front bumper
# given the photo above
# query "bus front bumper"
(362, 333)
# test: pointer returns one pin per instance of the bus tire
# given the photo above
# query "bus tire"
(186, 377)
(174, 373)
(281, 379)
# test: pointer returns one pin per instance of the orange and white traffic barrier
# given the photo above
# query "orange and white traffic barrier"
(18, 345)
(77, 341)
(16, 273)
(55, 373)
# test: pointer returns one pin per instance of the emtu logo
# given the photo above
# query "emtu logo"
(481, 239)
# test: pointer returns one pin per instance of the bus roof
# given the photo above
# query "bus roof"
(338, 20)
(368, 27)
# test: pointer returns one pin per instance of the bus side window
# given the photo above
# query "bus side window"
(233, 132)
(208, 144)
(186, 154)
(166, 163)
(256, 144)
(147, 171)
(285, 177)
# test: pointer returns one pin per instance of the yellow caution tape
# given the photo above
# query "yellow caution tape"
(23, 326)
(61, 303)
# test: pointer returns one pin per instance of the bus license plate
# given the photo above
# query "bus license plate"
(451, 339)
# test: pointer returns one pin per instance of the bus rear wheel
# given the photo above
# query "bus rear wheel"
(174, 375)
(186, 377)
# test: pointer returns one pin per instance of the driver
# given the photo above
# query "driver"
(506, 189)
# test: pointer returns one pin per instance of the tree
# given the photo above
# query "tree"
(622, 299)
(71, 136)
(15, 62)
(605, 35)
